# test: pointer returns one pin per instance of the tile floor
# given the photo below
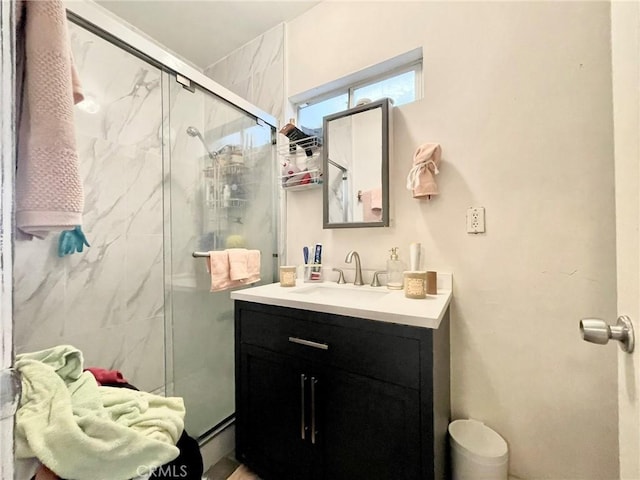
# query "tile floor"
(228, 469)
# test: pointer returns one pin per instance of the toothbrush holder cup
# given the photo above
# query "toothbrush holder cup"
(312, 273)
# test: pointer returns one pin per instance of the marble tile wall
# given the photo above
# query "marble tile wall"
(255, 71)
(109, 300)
(340, 132)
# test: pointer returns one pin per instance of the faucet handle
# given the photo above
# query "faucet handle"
(341, 276)
(374, 280)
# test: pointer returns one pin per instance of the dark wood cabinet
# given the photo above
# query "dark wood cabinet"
(271, 399)
(329, 397)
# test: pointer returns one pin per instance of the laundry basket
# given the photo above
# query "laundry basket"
(477, 452)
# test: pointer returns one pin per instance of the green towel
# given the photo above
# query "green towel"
(85, 432)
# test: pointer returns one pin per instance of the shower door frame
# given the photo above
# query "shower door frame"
(100, 22)
(104, 24)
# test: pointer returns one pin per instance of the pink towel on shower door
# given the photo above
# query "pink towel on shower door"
(219, 271)
(244, 265)
(253, 266)
(238, 263)
(220, 268)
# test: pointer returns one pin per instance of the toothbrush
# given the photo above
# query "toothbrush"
(305, 255)
(317, 260)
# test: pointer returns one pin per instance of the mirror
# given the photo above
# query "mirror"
(356, 167)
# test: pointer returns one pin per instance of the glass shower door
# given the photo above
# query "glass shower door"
(221, 194)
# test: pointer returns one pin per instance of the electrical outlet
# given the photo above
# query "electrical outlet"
(475, 220)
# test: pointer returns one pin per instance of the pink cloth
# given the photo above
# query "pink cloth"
(376, 199)
(220, 269)
(49, 194)
(238, 263)
(253, 266)
(369, 212)
(421, 178)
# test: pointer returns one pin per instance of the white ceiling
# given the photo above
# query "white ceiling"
(205, 31)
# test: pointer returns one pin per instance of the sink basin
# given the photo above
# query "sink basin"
(341, 292)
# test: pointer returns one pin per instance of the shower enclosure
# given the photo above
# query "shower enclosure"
(224, 200)
(172, 164)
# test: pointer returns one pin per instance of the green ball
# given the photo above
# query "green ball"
(235, 241)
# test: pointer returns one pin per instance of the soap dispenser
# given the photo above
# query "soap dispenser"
(395, 271)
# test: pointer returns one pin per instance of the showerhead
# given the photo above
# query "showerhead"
(194, 132)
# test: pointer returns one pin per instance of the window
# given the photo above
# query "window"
(310, 114)
(401, 85)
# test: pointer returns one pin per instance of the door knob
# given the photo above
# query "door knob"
(597, 331)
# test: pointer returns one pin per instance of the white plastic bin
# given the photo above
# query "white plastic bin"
(477, 452)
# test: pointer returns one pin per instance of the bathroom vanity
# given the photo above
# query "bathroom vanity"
(324, 395)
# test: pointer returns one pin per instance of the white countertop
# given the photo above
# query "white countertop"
(373, 303)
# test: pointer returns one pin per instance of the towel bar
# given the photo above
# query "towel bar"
(200, 254)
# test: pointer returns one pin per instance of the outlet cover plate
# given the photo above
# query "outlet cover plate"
(475, 220)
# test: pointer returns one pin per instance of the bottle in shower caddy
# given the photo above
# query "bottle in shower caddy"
(395, 271)
(226, 196)
(296, 137)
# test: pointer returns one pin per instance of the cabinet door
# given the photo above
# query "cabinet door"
(273, 416)
(368, 429)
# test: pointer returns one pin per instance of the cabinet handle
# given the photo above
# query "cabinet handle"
(309, 343)
(314, 381)
(303, 421)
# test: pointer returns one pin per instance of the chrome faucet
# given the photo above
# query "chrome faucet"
(350, 255)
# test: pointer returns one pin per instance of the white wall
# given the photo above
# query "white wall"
(519, 96)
